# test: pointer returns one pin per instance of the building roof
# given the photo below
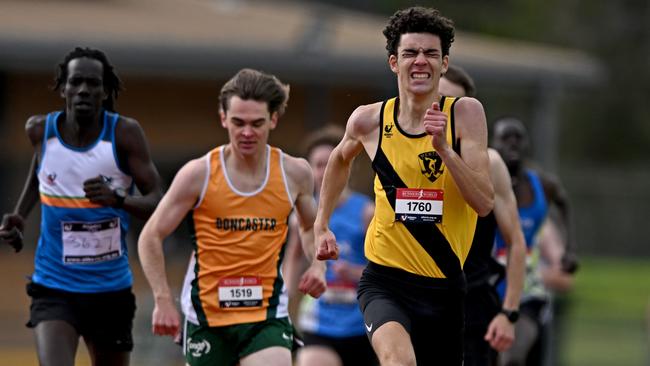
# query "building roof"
(210, 38)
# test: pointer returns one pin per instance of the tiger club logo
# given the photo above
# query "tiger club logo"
(431, 165)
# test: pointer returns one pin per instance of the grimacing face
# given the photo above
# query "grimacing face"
(419, 62)
(249, 123)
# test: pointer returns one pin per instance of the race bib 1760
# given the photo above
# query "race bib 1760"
(91, 242)
(418, 205)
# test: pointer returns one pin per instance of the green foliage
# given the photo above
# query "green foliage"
(608, 322)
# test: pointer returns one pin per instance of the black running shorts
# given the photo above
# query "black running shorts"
(430, 309)
(105, 318)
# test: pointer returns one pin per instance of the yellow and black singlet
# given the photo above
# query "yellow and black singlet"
(403, 160)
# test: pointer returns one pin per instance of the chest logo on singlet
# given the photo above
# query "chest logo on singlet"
(246, 223)
(388, 131)
(431, 165)
(51, 179)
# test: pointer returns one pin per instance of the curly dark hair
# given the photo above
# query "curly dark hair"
(112, 83)
(249, 84)
(418, 20)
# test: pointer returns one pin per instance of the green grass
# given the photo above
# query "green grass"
(607, 321)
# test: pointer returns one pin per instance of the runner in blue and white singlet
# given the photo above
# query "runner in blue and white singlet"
(535, 192)
(87, 159)
(82, 247)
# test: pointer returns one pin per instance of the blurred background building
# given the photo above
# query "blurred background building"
(575, 71)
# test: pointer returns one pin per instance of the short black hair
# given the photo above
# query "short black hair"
(509, 120)
(458, 75)
(249, 84)
(418, 20)
(112, 83)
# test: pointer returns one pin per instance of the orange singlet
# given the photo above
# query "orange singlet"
(239, 240)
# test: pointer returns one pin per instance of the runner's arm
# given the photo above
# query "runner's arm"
(557, 195)
(302, 179)
(177, 202)
(13, 224)
(470, 169)
(507, 217)
(361, 123)
(295, 264)
(131, 139)
(552, 250)
(501, 333)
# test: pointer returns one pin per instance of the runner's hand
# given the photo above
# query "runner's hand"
(326, 246)
(11, 231)
(500, 333)
(312, 281)
(99, 191)
(435, 124)
(165, 319)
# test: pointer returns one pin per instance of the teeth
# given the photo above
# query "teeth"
(420, 75)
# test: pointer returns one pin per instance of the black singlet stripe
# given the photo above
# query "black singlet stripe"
(426, 234)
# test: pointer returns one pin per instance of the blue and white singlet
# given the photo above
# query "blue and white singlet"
(531, 217)
(82, 246)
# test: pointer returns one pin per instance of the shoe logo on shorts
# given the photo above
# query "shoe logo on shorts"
(285, 336)
(368, 327)
(199, 348)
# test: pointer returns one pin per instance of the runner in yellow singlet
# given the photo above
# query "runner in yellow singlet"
(432, 181)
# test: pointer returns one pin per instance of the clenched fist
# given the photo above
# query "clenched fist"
(435, 124)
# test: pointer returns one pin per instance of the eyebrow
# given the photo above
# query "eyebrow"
(416, 50)
(253, 121)
(82, 76)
